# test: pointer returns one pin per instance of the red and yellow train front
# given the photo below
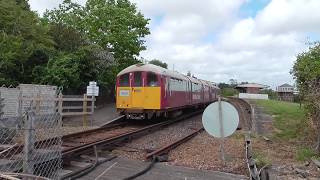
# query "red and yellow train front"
(138, 93)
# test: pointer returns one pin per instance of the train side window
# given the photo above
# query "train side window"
(152, 79)
(124, 80)
(137, 79)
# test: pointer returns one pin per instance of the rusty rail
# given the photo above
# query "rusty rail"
(247, 122)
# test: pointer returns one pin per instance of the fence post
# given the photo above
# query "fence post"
(29, 136)
(20, 103)
(38, 104)
(60, 103)
(92, 108)
(60, 110)
(84, 107)
(1, 106)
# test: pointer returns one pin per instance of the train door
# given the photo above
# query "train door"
(189, 91)
(137, 97)
(124, 91)
(210, 94)
(152, 94)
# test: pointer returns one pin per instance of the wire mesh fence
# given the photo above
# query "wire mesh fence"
(30, 143)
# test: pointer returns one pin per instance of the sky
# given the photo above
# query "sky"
(247, 40)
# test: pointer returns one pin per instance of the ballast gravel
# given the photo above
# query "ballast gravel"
(138, 148)
(201, 152)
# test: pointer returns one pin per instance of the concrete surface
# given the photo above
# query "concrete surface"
(119, 168)
(100, 116)
(262, 121)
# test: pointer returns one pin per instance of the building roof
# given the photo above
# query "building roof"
(252, 85)
(285, 85)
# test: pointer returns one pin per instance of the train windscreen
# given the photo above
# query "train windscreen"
(137, 79)
(124, 80)
(152, 79)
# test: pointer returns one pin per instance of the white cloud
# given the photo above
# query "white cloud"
(210, 39)
(41, 5)
(242, 50)
(282, 16)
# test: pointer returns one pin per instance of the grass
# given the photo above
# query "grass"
(261, 159)
(288, 117)
(291, 124)
(304, 154)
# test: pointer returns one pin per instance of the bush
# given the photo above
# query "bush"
(227, 92)
(261, 159)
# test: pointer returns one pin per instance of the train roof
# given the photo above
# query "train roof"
(208, 83)
(152, 68)
(162, 71)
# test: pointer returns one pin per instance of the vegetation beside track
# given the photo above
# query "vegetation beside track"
(290, 125)
(288, 118)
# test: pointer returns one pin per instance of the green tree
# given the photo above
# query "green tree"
(271, 94)
(159, 63)
(74, 70)
(224, 85)
(23, 41)
(66, 38)
(114, 25)
(233, 82)
(306, 71)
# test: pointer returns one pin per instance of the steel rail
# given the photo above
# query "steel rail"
(104, 127)
(169, 147)
(17, 148)
(125, 136)
(246, 113)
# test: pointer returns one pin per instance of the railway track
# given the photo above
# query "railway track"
(84, 142)
(76, 146)
(245, 112)
(245, 123)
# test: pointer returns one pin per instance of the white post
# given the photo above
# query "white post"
(92, 108)
(29, 144)
(221, 131)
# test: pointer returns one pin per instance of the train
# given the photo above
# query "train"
(144, 91)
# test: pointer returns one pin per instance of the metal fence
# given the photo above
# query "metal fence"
(18, 99)
(30, 143)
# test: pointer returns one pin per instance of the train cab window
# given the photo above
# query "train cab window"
(124, 80)
(152, 79)
(137, 79)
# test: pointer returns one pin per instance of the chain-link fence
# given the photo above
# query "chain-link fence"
(30, 143)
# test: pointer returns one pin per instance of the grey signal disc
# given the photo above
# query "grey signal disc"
(211, 122)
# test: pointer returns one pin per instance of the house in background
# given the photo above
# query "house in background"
(251, 88)
(285, 92)
(251, 91)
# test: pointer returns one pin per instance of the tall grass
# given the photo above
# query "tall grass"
(289, 118)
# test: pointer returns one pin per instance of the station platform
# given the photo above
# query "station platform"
(100, 116)
(120, 168)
